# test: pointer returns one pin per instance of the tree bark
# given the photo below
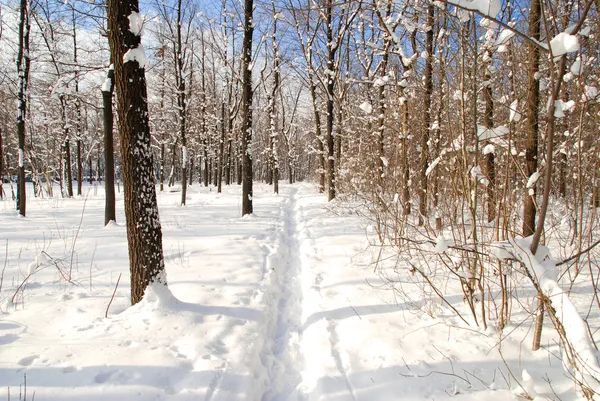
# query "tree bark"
(144, 233)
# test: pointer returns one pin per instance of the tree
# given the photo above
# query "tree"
(533, 99)
(424, 159)
(144, 233)
(109, 156)
(247, 94)
(23, 63)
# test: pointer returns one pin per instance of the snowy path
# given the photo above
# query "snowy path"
(280, 355)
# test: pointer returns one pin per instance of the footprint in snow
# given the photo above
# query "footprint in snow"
(28, 360)
(104, 377)
(69, 369)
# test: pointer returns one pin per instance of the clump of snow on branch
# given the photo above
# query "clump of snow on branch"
(504, 37)
(489, 149)
(432, 166)
(490, 8)
(564, 43)
(488, 133)
(578, 65)
(366, 107)
(590, 93)
(514, 113)
(560, 107)
(533, 179)
(440, 244)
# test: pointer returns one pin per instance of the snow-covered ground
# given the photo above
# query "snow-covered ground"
(279, 305)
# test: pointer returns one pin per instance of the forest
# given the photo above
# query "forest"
(464, 132)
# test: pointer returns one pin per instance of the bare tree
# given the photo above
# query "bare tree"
(23, 65)
(144, 233)
(109, 156)
(247, 94)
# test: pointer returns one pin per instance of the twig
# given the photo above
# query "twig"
(4, 267)
(113, 296)
(77, 234)
(577, 255)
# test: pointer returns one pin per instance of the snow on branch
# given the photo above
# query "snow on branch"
(542, 270)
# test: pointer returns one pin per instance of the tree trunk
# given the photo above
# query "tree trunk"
(330, 85)
(424, 160)
(109, 152)
(274, 116)
(78, 124)
(23, 62)
(144, 233)
(531, 147)
(173, 161)
(67, 152)
(181, 105)
(490, 164)
(79, 168)
(228, 162)
(533, 98)
(1, 166)
(162, 166)
(221, 147)
(247, 207)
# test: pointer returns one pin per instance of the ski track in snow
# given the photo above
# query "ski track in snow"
(338, 355)
(280, 354)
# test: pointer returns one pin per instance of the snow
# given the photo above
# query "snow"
(21, 161)
(106, 85)
(504, 37)
(490, 133)
(489, 149)
(366, 107)
(440, 244)
(564, 43)
(135, 23)
(490, 8)
(514, 113)
(136, 54)
(590, 93)
(544, 272)
(578, 65)
(533, 179)
(185, 160)
(433, 165)
(560, 107)
(280, 306)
